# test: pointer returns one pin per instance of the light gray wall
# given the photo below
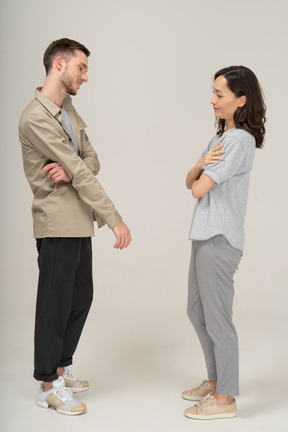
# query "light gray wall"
(148, 114)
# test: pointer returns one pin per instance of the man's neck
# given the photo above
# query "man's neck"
(54, 92)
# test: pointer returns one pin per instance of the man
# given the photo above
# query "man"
(60, 165)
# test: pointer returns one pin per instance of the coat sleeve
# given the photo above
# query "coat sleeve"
(43, 135)
(88, 154)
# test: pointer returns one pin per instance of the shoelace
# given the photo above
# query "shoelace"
(208, 400)
(64, 393)
(203, 384)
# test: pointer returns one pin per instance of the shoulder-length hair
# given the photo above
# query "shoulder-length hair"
(251, 117)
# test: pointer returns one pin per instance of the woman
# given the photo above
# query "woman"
(220, 181)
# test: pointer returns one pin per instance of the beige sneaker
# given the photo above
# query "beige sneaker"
(209, 409)
(199, 392)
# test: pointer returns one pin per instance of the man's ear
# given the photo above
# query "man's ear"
(59, 63)
(242, 101)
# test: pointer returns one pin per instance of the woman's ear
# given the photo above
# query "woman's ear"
(242, 101)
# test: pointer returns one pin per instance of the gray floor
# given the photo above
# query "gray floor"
(137, 373)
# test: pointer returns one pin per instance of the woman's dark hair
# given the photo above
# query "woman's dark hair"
(64, 48)
(251, 117)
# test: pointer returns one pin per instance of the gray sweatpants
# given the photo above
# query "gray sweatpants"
(210, 299)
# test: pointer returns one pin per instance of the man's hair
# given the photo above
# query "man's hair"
(64, 48)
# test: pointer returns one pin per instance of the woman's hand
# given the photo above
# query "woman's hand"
(212, 156)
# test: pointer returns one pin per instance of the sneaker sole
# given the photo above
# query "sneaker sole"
(192, 398)
(211, 417)
(43, 404)
(70, 412)
(78, 389)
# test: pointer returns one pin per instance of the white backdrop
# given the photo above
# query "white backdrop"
(148, 113)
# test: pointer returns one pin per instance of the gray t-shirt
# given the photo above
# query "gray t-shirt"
(69, 127)
(222, 210)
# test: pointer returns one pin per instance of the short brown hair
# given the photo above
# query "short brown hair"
(64, 48)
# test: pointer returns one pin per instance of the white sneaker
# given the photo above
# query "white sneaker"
(61, 398)
(73, 383)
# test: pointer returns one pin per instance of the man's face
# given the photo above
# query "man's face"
(75, 72)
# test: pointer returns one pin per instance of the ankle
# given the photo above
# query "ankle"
(223, 399)
(47, 385)
(60, 371)
(213, 383)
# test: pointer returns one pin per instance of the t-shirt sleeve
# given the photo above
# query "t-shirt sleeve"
(232, 164)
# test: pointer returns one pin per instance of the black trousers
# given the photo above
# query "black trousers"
(65, 293)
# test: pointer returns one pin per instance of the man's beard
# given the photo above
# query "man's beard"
(67, 82)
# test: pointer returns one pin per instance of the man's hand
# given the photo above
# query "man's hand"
(56, 172)
(123, 236)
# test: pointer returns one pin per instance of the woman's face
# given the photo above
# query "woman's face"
(224, 101)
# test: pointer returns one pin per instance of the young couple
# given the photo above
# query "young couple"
(60, 165)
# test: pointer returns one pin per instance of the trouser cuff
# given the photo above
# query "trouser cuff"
(64, 363)
(227, 391)
(45, 378)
